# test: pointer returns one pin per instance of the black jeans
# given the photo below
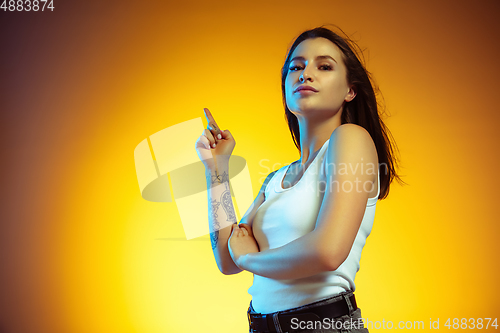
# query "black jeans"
(351, 322)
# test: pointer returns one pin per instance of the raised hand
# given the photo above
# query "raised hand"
(214, 145)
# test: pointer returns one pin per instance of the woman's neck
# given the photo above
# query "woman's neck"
(313, 135)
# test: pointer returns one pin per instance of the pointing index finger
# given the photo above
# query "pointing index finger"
(212, 125)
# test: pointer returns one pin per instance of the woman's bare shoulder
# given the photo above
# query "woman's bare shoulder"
(351, 130)
(351, 141)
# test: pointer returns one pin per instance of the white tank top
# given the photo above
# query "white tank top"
(288, 214)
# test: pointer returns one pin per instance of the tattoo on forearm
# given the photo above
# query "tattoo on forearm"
(214, 234)
(216, 178)
(227, 204)
(225, 200)
(214, 207)
(214, 239)
(225, 180)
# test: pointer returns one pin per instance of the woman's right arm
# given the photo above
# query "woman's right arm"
(214, 147)
(222, 217)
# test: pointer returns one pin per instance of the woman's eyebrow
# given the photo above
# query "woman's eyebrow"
(321, 57)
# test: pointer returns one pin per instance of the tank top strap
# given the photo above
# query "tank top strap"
(373, 201)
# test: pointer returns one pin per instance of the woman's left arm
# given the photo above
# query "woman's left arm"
(350, 158)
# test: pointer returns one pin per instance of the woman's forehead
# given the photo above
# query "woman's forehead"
(313, 47)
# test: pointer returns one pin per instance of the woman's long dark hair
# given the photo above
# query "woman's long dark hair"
(363, 110)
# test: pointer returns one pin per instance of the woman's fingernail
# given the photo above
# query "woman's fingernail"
(219, 136)
(213, 145)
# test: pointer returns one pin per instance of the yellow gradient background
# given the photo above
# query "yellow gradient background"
(82, 252)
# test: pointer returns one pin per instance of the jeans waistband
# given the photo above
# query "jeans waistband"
(280, 321)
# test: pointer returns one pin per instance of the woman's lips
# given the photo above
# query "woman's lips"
(306, 90)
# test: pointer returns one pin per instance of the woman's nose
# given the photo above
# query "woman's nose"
(305, 76)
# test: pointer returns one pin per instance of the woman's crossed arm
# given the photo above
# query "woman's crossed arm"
(339, 218)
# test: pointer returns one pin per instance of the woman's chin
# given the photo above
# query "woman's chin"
(315, 114)
(303, 109)
(308, 110)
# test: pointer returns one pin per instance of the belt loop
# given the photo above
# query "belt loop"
(349, 304)
(276, 321)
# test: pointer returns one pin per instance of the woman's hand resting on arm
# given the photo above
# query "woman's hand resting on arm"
(242, 242)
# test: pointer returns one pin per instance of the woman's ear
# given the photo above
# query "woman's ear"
(351, 93)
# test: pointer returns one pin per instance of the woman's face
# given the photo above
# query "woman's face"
(317, 79)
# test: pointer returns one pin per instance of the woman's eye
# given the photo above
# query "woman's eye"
(295, 68)
(325, 67)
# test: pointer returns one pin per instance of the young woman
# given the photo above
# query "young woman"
(303, 235)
